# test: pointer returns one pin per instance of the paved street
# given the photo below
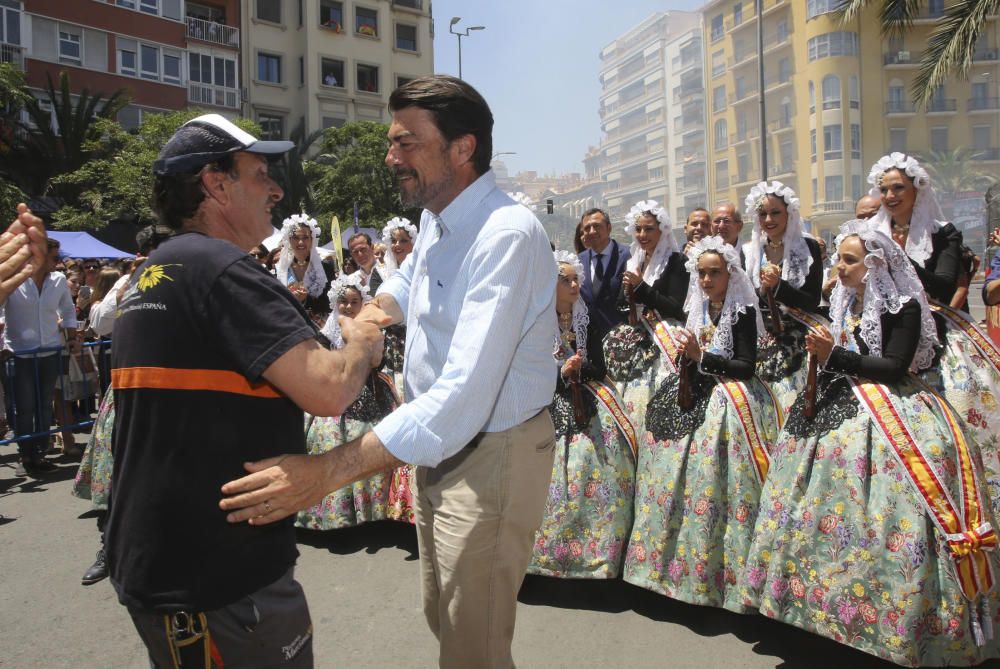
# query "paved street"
(365, 601)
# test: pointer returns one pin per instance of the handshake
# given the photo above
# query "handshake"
(366, 327)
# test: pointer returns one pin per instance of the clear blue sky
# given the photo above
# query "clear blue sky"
(537, 64)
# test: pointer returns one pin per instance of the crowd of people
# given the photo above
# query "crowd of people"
(766, 426)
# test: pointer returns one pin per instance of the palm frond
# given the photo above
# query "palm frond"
(851, 10)
(951, 46)
(895, 16)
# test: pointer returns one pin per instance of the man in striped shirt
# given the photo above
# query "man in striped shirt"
(478, 298)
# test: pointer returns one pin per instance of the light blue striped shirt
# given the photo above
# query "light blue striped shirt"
(478, 299)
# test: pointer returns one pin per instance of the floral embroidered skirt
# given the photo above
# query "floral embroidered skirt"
(781, 362)
(93, 478)
(588, 513)
(843, 546)
(636, 366)
(697, 488)
(971, 384)
(365, 500)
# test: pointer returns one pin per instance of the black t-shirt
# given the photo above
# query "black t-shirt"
(197, 327)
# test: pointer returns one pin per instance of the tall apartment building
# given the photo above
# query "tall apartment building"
(168, 54)
(686, 125)
(836, 98)
(331, 61)
(635, 105)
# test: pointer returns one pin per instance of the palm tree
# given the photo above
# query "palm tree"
(950, 47)
(57, 140)
(953, 173)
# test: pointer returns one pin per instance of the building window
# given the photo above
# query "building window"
(742, 167)
(721, 174)
(815, 8)
(815, 190)
(737, 13)
(897, 139)
(718, 98)
(149, 62)
(856, 187)
(150, 6)
(10, 22)
(831, 92)
(853, 92)
(828, 45)
(856, 140)
(302, 71)
(785, 119)
(939, 139)
(332, 72)
(368, 78)
(127, 57)
(171, 66)
(401, 80)
(787, 152)
(272, 127)
(834, 188)
(213, 80)
(935, 8)
(406, 37)
(333, 122)
(331, 15)
(366, 21)
(269, 68)
(269, 10)
(812, 98)
(718, 30)
(656, 173)
(69, 47)
(833, 147)
(127, 4)
(718, 63)
(721, 134)
(812, 144)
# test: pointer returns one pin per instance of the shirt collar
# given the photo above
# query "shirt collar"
(457, 212)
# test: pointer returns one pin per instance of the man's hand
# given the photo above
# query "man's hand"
(22, 250)
(373, 313)
(276, 488)
(366, 334)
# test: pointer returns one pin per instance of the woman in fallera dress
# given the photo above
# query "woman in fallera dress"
(969, 371)
(365, 500)
(786, 269)
(588, 514)
(300, 268)
(859, 537)
(641, 353)
(704, 456)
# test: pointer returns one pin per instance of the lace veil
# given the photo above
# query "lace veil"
(890, 283)
(739, 296)
(927, 216)
(666, 247)
(396, 223)
(315, 278)
(581, 317)
(797, 259)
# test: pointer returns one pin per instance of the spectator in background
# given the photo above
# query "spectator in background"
(603, 264)
(727, 222)
(33, 313)
(697, 227)
(363, 254)
(867, 207)
(91, 266)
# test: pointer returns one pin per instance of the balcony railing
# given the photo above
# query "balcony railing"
(780, 124)
(745, 94)
(409, 4)
(899, 107)
(214, 95)
(779, 170)
(210, 31)
(901, 58)
(12, 53)
(985, 55)
(835, 205)
(942, 105)
(983, 104)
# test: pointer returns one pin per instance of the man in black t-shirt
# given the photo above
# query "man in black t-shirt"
(213, 364)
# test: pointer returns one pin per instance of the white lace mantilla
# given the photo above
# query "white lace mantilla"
(797, 259)
(314, 279)
(665, 248)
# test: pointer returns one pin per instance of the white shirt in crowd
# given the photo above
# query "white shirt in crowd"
(33, 317)
(485, 263)
(102, 316)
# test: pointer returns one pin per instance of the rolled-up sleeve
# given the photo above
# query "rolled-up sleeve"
(398, 286)
(492, 321)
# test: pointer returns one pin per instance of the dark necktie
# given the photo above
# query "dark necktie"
(599, 273)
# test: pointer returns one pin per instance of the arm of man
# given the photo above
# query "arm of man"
(324, 382)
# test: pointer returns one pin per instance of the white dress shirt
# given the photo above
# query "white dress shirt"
(478, 299)
(102, 316)
(33, 316)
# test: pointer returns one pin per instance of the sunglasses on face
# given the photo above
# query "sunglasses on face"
(92, 268)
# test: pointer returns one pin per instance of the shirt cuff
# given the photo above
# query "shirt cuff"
(408, 439)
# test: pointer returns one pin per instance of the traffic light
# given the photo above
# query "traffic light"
(549, 206)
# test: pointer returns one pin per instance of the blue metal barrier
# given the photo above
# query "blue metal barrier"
(102, 358)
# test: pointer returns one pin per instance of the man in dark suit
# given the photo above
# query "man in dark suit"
(603, 264)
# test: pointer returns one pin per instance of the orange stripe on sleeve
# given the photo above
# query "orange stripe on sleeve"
(216, 380)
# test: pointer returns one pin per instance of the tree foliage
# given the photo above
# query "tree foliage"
(351, 168)
(290, 174)
(954, 172)
(951, 45)
(119, 185)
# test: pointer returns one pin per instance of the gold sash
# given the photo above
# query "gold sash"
(982, 342)
(614, 407)
(659, 331)
(737, 393)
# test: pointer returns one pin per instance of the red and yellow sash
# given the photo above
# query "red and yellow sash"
(982, 342)
(614, 407)
(811, 321)
(968, 534)
(737, 394)
(660, 332)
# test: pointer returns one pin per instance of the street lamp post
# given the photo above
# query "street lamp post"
(451, 26)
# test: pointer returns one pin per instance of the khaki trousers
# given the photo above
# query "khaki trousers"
(476, 514)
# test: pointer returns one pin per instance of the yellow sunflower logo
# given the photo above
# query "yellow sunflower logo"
(152, 275)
